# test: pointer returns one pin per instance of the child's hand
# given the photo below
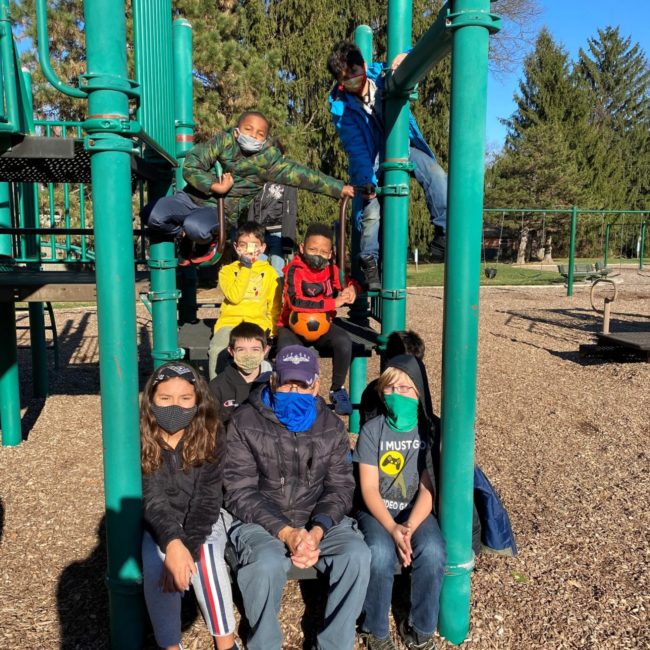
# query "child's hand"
(178, 567)
(347, 191)
(352, 292)
(248, 253)
(223, 184)
(402, 537)
(346, 297)
(340, 300)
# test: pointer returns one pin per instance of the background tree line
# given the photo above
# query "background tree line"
(579, 134)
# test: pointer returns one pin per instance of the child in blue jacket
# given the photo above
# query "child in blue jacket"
(356, 105)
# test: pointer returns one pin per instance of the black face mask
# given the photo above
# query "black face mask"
(316, 262)
(173, 418)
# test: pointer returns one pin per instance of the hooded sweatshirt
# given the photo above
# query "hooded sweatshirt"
(400, 457)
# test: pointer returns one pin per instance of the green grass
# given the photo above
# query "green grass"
(432, 275)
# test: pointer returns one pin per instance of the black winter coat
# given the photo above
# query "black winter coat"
(276, 478)
(183, 504)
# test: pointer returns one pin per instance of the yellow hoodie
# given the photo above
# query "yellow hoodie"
(251, 294)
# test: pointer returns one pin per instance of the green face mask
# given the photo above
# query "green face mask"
(402, 412)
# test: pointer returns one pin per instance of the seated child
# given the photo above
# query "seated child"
(395, 481)
(312, 284)
(399, 342)
(185, 528)
(248, 160)
(251, 290)
(247, 370)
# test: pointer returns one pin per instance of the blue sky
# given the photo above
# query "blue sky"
(571, 22)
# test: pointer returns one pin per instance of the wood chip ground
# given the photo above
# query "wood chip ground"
(563, 438)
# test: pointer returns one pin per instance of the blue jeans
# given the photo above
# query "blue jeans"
(433, 179)
(262, 573)
(427, 572)
(171, 215)
(274, 252)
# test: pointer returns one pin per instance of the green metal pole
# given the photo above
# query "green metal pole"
(29, 208)
(183, 90)
(152, 32)
(642, 246)
(572, 251)
(12, 121)
(115, 265)
(396, 183)
(432, 47)
(9, 389)
(606, 253)
(471, 24)
(358, 376)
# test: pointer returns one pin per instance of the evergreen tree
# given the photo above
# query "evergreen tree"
(618, 76)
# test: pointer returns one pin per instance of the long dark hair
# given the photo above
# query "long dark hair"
(200, 438)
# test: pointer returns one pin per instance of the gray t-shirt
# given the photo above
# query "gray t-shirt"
(400, 458)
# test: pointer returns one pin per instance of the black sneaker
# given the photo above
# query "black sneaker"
(371, 642)
(414, 641)
(371, 272)
(437, 247)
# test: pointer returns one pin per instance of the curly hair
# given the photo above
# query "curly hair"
(345, 54)
(200, 437)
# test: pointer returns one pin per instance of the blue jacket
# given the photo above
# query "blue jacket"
(361, 137)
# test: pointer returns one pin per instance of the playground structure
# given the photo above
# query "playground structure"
(163, 131)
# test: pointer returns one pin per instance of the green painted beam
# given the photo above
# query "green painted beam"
(115, 269)
(469, 71)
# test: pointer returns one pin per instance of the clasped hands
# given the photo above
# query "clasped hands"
(302, 544)
(346, 296)
(401, 534)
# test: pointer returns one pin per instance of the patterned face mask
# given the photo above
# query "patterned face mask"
(247, 362)
(173, 418)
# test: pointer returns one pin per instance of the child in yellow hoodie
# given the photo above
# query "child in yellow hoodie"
(251, 290)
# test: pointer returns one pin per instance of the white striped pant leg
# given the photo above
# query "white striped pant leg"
(212, 581)
(164, 608)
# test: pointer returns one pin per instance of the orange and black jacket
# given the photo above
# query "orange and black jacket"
(308, 290)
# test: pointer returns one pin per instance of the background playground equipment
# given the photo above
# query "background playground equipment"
(615, 344)
(551, 222)
(163, 131)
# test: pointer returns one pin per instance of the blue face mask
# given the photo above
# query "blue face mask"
(296, 411)
(249, 144)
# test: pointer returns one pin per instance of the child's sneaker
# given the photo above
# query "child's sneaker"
(371, 642)
(205, 253)
(414, 641)
(341, 401)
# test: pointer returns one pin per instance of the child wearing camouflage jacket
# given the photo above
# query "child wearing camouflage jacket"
(248, 160)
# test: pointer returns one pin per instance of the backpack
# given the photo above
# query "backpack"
(275, 208)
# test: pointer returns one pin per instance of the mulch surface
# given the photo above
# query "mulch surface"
(563, 438)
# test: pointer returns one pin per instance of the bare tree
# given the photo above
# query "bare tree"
(519, 31)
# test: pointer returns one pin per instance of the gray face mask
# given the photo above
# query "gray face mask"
(173, 418)
(249, 144)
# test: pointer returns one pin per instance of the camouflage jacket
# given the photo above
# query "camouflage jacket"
(249, 173)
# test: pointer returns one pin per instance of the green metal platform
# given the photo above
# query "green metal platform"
(26, 285)
(40, 159)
